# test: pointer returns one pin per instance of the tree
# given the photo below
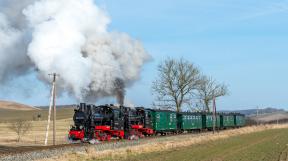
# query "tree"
(210, 89)
(177, 79)
(20, 127)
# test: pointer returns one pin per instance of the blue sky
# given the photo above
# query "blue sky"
(240, 42)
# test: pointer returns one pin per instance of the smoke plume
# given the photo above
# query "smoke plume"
(119, 91)
(69, 37)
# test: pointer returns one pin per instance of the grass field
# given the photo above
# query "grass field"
(36, 135)
(267, 143)
(270, 145)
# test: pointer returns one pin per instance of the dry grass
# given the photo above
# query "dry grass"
(159, 144)
(36, 135)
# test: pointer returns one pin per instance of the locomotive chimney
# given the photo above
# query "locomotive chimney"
(82, 106)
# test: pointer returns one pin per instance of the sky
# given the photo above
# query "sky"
(242, 43)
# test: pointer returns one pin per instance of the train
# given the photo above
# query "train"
(106, 122)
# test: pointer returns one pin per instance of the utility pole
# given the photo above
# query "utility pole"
(52, 103)
(54, 107)
(49, 115)
(214, 115)
(277, 118)
(257, 116)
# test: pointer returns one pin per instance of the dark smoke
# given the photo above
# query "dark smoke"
(119, 90)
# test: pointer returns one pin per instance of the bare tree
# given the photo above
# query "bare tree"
(20, 127)
(177, 79)
(210, 89)
(195, 104)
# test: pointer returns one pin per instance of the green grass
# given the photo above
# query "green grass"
(269, 145)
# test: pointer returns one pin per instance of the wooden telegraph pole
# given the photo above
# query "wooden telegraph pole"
(214, 115)
(49, 115)
(54, 108)
(52, 104)
(257, 119)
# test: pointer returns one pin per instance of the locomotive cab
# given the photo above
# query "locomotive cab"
(145, 114)
(107, 122)
(137, 122)
(108, 116)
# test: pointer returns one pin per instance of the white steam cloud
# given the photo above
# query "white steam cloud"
(69, 37)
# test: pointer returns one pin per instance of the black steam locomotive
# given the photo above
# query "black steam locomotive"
(108, 121)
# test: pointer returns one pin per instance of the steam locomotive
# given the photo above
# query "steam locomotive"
(108, 121)
(105, 122)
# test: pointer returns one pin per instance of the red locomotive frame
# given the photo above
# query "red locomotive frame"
(104, 133)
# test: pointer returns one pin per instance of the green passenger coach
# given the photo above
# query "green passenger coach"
(189, 121)
(207, 119)
(227, 120)
(239, 120)
(164, 121)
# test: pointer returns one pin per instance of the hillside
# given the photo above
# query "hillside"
(8, 105)
(270, 117)
(7, 115)
(10, 111)
(72, 106)
(254, 111)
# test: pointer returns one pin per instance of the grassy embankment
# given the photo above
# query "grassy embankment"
(270, 145)
(267, 143)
